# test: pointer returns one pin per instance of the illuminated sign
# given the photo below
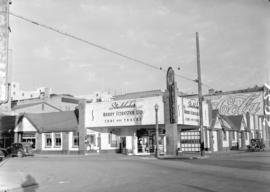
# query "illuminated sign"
(171, 87)
(3, 48)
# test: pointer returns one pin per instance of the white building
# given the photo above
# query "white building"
(99, 96)
(17, 94)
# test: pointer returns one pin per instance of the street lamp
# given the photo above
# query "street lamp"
(157, 145)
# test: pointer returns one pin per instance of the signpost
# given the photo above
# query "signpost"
(157, 143)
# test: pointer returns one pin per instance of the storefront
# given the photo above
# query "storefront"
(129, 125)
(55, 132)
(125, 126)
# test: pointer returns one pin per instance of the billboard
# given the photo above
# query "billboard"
(3, 48)
(188, 111)
(129, 112)
(238, 103)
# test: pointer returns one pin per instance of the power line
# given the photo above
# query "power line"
(99, 46)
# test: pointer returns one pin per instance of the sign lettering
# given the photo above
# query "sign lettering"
(124, 104)
(266, 120)
(237, 104)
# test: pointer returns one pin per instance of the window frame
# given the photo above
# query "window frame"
(46, 140)
(55, 140)
(75, 135)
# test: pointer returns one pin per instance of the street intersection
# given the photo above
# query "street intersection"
(238, 171)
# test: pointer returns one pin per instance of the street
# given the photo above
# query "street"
(113, 172)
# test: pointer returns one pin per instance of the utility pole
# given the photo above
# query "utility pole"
(200, 97)
(157, 137)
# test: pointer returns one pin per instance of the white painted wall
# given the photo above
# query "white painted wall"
(225, 143)
(215, 141)
(247, 141)
(25, 126)
(129, 143)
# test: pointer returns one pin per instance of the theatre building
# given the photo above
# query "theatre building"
(128, 124)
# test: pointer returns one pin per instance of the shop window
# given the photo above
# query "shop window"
(57, 138)
(75, 139)
(224, 136)
(48, 140)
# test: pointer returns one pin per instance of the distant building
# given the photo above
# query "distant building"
(17, 94)
(99, 96)
(45, 104)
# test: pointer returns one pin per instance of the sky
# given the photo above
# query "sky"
(233, 34)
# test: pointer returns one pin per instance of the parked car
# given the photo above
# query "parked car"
(2, 154)
(256, 145)
(20, 150)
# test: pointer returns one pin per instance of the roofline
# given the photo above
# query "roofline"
(34, 104)
(156, 92)
(248, 90)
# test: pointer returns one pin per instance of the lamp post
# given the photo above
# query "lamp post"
(157, 145)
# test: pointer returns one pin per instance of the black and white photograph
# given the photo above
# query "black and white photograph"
(134, 95)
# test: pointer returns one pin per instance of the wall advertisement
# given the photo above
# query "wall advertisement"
(238, 103)
(130, 112)
(188, 111)
(3, 48)
(266, 98)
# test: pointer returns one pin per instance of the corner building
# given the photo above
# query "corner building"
(128, 124)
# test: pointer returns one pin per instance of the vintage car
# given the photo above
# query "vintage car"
(256, 145)
(20, 150)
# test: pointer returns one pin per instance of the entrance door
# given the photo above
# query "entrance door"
(122, 145)
(215, 141)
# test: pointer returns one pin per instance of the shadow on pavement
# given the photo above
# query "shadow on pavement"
(199, 188)
(30, 184)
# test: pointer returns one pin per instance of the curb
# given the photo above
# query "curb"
(183, 158)
(3, 161)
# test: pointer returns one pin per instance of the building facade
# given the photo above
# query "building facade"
(243, 107)
(55, 132)
(127, 124)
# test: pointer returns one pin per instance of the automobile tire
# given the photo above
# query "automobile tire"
(20, 154)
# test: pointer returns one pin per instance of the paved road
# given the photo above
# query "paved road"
(223, 172)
